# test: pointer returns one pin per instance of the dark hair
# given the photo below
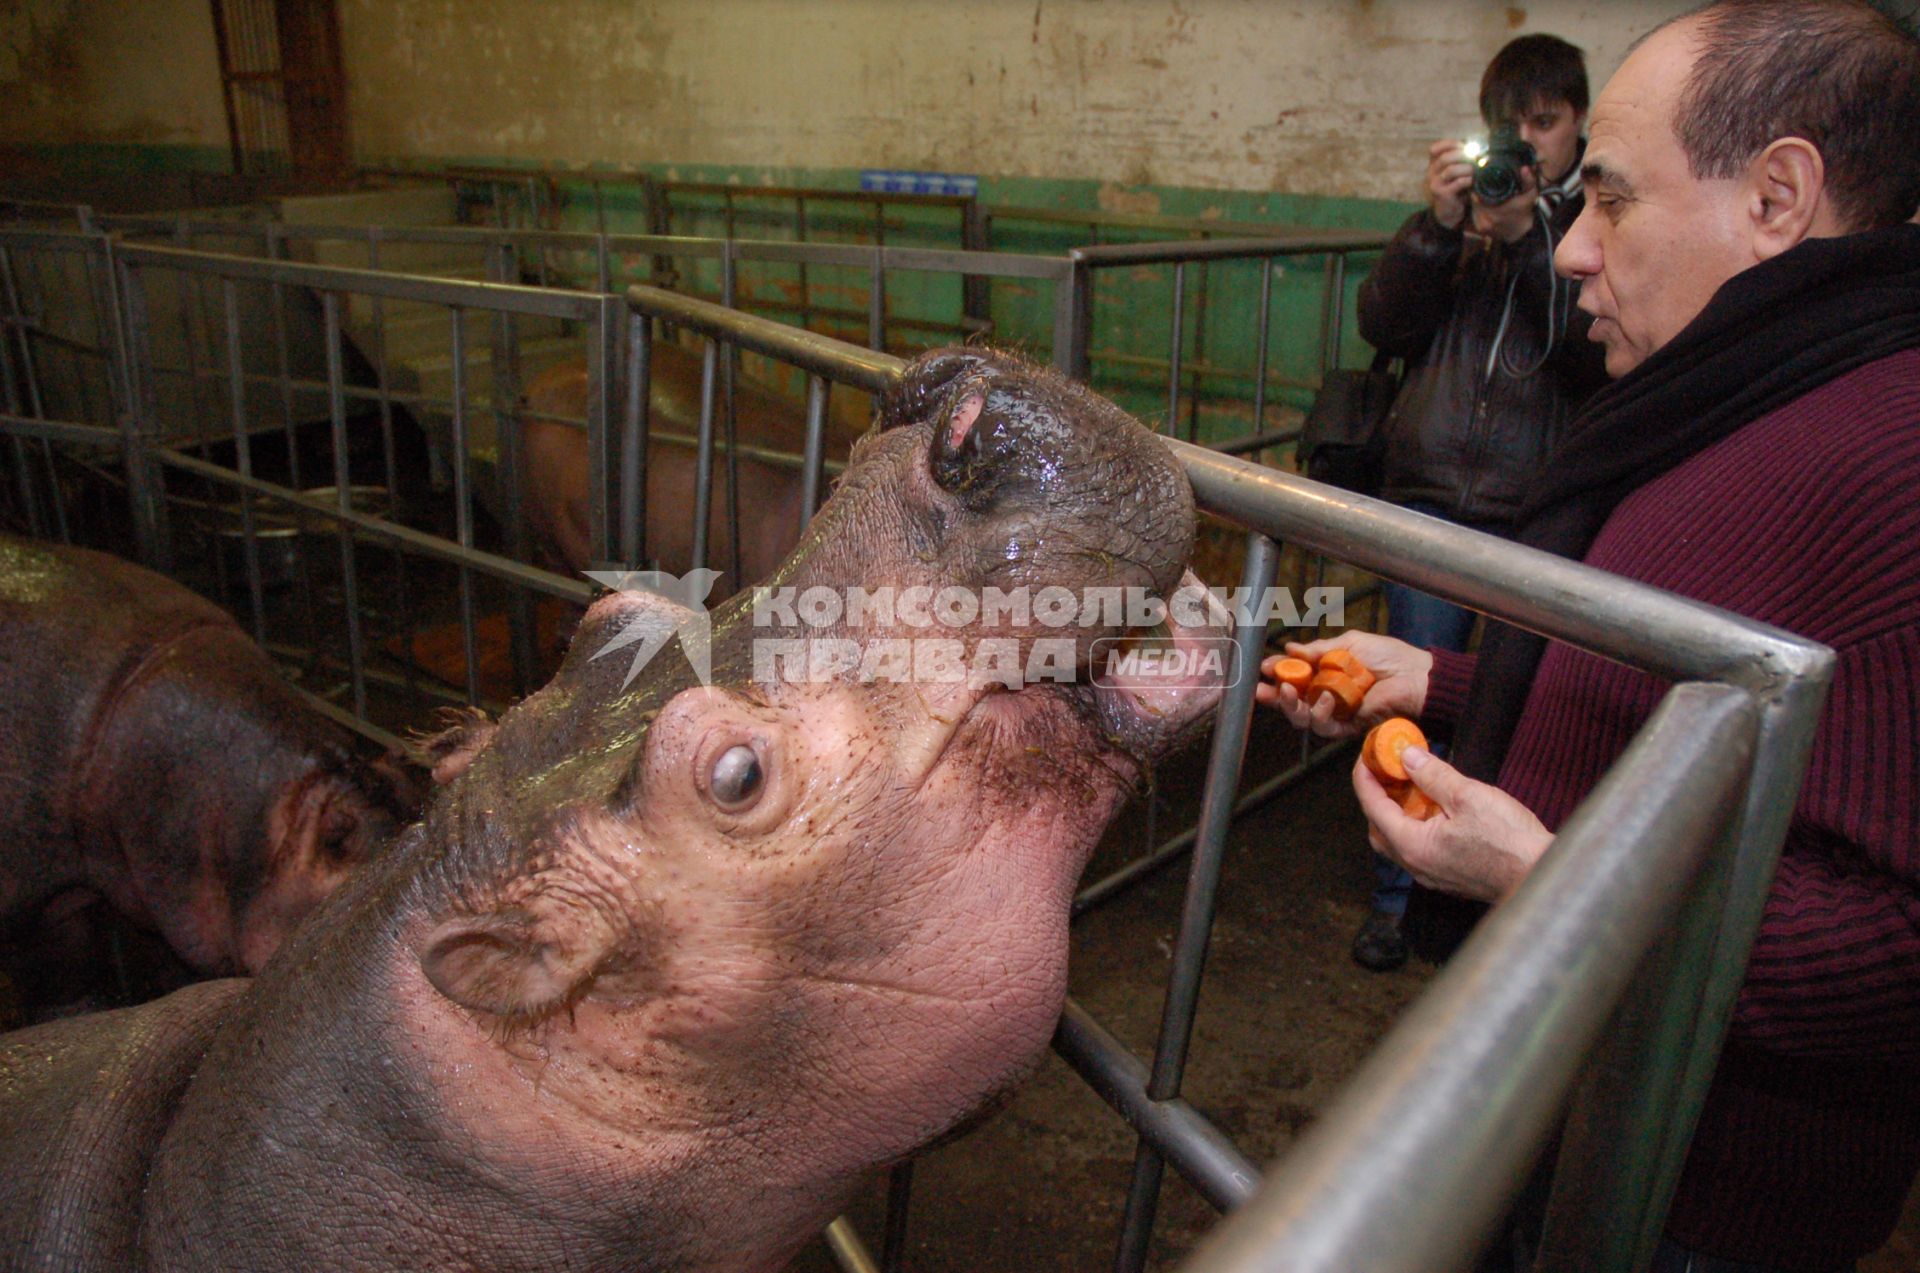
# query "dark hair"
(1843, 75)
(1530, 70)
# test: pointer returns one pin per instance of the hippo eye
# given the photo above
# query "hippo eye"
(737, 778)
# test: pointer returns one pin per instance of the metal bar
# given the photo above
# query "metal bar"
(893, 1249)
(729, 376)
(243, 457)
(1232, 722)
(1524, 999)
(1173, 358)
(505, 365)
(1565, 600)
(501, 297)
(703, 463)
(837, 360)
(145, 485)
(403, 622)
(800, 236)
(1633, 1119)
(817, 390)
(603, 390)
(343, 491)
(849, 1252)
(418, 542)
(1198, 1150)
(463, 502)
(1292, 243)
(877, 302)
(1261, 341)
(63, 431)
(633, 443)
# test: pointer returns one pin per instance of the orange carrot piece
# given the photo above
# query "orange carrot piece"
(1417, 804)
(1295, 672)
(1345, 660)
(1345, 690)
(1383, 746)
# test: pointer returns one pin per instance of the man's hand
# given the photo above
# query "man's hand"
(1449, 177)
(1511, 221)
(1399, 688)
(1481, 844)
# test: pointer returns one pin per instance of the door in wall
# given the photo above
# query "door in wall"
(285, 90)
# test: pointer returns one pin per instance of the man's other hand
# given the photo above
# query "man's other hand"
(1481, 844)
(1399, 688)
(1449, 178)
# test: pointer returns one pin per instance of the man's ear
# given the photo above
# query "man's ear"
(1788, 200)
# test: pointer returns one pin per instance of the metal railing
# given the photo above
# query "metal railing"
(1601, 990)
(1187, 366)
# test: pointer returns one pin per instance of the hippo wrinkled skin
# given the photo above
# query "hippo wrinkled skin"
(667, 967)
(155, 759)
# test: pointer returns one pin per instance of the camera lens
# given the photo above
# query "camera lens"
(1497, 174)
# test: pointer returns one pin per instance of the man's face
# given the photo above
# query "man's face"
(1553, 130)
(1654, 243)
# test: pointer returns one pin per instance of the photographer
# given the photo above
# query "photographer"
(1496, 354)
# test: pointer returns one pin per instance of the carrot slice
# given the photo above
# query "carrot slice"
(1345, 690)
(1295, 672)
(1417, 804)
(1383, 746)
(1345, 660)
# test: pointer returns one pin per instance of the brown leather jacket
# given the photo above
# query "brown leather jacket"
(1457, 436)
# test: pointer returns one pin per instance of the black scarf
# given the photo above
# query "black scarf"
(1770, 335)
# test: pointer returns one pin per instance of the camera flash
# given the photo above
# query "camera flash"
(1474, 149)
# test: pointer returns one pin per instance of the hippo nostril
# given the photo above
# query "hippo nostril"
(962, 421)
(960, 446)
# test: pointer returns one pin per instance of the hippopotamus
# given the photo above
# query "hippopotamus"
(156, 760)
(692, 938)
(770, 495)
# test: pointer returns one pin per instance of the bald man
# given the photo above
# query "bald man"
(1748, 258)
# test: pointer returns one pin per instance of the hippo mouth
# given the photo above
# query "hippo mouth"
(1135, 698)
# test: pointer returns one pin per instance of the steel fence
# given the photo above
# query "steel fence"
(1600, 991)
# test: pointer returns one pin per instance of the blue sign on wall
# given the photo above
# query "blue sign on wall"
(897, 181)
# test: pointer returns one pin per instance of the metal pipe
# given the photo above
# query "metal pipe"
(1231, 725)
(817, 390)
(1198, 1150)
(343, 489)
(703, 462)
(1524, 1000)
(463, 503)
(1173, 357)
(243, 456)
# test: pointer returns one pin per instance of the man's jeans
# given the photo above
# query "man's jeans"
(1428, 623)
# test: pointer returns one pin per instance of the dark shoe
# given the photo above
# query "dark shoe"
(1379, 946)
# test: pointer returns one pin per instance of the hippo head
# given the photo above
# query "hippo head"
(814, 909)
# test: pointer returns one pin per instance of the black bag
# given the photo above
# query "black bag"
(1343, 442)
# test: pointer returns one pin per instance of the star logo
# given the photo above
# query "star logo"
(684, 617)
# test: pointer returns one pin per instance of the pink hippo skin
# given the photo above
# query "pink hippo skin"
(666, 968)
(770, 495)
(156, 760)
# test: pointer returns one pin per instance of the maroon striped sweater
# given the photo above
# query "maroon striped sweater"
(1809, 519)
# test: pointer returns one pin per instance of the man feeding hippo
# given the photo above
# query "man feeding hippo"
(668, 965)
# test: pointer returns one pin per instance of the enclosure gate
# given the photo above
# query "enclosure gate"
(1565, 999)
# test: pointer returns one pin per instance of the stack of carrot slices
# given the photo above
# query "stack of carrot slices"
(1337, 672)
(1381, 753)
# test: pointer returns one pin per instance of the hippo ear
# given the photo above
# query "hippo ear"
(925, 385)
(505, 964)
(452, 749)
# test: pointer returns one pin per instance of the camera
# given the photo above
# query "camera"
(1497, 169)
